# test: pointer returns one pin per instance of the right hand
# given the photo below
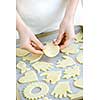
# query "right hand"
(30, 42)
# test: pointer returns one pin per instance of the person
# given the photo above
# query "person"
(37, 16)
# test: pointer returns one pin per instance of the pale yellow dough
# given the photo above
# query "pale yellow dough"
(32, 57)
(71, 49)
(76, 96)
(78, 83)
(79, 37)
(51, 50)
(45, 98)
(71, 72)
(42, 66)
(30, 76)
(61, 90)
(22, 67)
(67, 61)
(52, 76)
(34, 96)
(79, 58)
(21, 52)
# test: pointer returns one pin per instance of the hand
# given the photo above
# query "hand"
(30, 42)
(66, 33)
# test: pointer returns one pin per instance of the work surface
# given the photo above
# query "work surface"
(44, 38)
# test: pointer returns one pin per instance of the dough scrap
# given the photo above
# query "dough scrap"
(76, 96)
(79, 58)
(51, 50)
(22, 67)
(29, 76)
(32, 57)
(42, 66)
(21, 52)
(52, 76)
(71, 72)
(67, 61)
(27, 92)
(79, 37)
(45, 98)
(71, 49)
(61, 90)
(78, 83)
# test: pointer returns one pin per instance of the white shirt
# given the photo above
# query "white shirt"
(42, 15)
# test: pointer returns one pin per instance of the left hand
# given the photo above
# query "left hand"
(66, 33)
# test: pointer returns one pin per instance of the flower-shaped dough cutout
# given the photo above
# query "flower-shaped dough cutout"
(34, 96)
(78, 83)
(32, 57)
(30, 76)
(79, 37)
(21, 52)
(42, 66)
(61, 90)
(67, 61)
(76, 96)
(71, 72)
(71, 49)
(22, 67)
(51, 50)
(52, 76)
(79, 58)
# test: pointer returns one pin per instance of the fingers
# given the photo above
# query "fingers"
(59, 38)
(38, 43)
(32, 49)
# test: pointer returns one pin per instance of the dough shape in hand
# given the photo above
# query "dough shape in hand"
(51, 50)
(79, 58)
(52, 76)
(22, 67)
(71, 49)
(61, 90)
(78, 83)
(76, 96)
(67, 61)
(21, 52)
(42, 66)
(34, 96)
(71, 72)
(32, 57)
(79, 37)
(30, 76)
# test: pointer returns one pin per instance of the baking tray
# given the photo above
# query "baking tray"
(43, 37)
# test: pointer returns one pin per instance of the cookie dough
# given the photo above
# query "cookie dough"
(52, 76)
(42, 66)
(78, 83)
(67, 61)
(22, 67)
(79, 58)
(71, 49)
(27, 92)
(51, 50)
(61, 90)
(29, 76)
(21, 52)
(79, 37)
(32, 57)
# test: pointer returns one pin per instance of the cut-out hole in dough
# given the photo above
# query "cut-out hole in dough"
(71, 49)
(42, 66)
(67, 61)
(71, 72)
(51, 50)
(29, 76)
(61, 90)
(32, 57)
(52, 76)
(21, 52)
(22, 67)
(34, 96)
